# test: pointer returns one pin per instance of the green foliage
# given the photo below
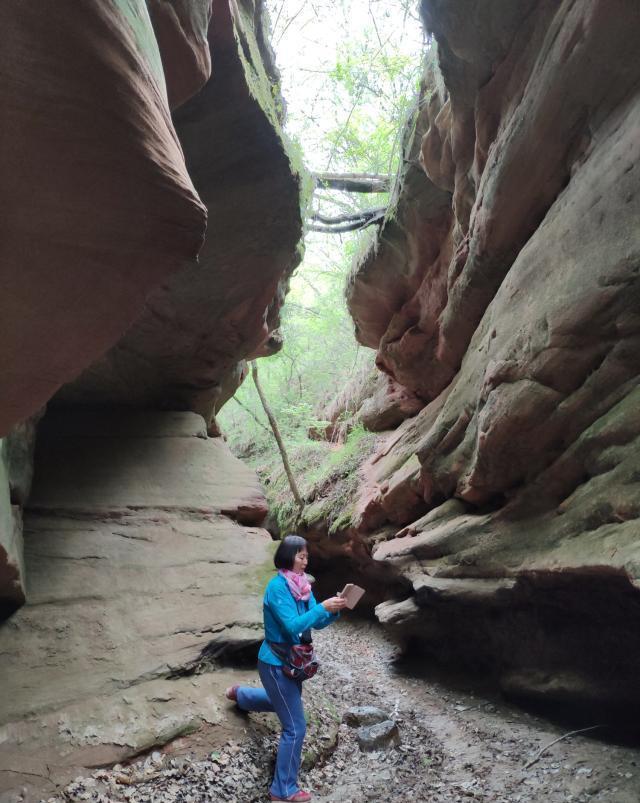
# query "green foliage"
(378, 86)
(298, 168)
(318, 357)
(327, 475)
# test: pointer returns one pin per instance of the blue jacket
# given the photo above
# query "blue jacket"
(285, 618)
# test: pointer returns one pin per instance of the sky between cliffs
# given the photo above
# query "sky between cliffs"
(349, 70)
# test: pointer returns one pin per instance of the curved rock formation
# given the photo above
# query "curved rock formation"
(504, 291)
(199, 324)
(117, 209)
(97, 205)
(181, 28)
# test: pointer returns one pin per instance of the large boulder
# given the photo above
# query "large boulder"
(381, 736)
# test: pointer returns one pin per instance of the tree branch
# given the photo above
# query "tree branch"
(252, 414)
(352, 217)
(356, 224)
(540, 753)
(353, 182)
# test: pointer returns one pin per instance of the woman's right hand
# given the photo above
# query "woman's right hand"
(334, 604)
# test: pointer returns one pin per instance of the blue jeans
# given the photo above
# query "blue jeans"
(284, 696)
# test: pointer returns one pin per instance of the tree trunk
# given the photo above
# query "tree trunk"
(278, 437)
(353, 182)
(361, 216)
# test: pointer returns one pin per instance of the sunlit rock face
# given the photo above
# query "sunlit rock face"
(184, 350)
(97, 205)
(372, 399)
(504, 292)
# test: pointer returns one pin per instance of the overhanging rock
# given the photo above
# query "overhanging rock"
(97, 206)
(200, 324)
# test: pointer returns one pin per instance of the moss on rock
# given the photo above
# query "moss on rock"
(328, 476)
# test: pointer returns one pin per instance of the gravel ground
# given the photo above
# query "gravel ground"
(455, 747)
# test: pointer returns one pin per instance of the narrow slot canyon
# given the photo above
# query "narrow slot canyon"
(366, 272)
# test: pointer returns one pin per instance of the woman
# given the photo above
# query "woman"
(289, 609)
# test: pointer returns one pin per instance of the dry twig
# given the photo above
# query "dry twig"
(541, 752)
(276, 434)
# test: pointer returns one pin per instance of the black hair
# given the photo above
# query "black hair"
(287, 549)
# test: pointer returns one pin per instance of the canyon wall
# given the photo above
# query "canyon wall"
(503, 291)
(151, 219)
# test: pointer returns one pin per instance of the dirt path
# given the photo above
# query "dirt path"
(455, 747)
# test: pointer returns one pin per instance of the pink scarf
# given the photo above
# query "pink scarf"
(299, 584)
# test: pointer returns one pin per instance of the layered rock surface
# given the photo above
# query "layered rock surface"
(504, 291)
(372, 399)
(116, 214)
(181, 28)
(135, 581)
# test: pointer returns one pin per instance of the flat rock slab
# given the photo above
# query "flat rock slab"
(381, 736)
(465, 590)
(126, 602)
(118, 609)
